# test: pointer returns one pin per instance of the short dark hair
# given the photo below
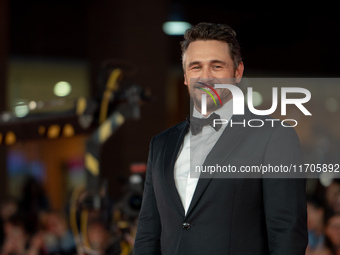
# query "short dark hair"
(210, 31)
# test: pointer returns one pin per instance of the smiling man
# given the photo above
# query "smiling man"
(184, 213)
(203, 63)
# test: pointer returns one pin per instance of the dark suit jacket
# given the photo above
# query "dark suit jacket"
(226, 216)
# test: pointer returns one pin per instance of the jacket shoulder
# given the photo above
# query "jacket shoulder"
(176, 128)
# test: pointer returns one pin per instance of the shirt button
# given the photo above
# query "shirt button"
(186, 225)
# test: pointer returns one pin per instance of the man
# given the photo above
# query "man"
(215, 216)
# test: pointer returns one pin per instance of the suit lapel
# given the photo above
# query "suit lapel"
(228, 141)
(172, 147)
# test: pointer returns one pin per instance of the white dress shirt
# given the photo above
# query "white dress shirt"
(193, 152)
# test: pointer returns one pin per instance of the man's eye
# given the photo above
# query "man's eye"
(195, 67)
(217, 67)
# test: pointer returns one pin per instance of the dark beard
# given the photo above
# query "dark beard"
(211, 107)
(225, 94)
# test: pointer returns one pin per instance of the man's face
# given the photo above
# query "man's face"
(209, 62)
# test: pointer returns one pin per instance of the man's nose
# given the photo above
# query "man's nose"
(206, 73)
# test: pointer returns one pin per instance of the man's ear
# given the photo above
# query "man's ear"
(185, 80)
(239, 72)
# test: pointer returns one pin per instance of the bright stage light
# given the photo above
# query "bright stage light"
(257, 98)
(176, 27)
(62, 89)
(21, 110)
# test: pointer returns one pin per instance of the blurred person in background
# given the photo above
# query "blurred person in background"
(37, 245)
(102, 240)
(315, 224)
(16, 240)
(8, 208)
(57, 236)
(333, 196)
(33, 201)
(332, 236)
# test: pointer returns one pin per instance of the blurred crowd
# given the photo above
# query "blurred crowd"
(29, 227)
(323, 209)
